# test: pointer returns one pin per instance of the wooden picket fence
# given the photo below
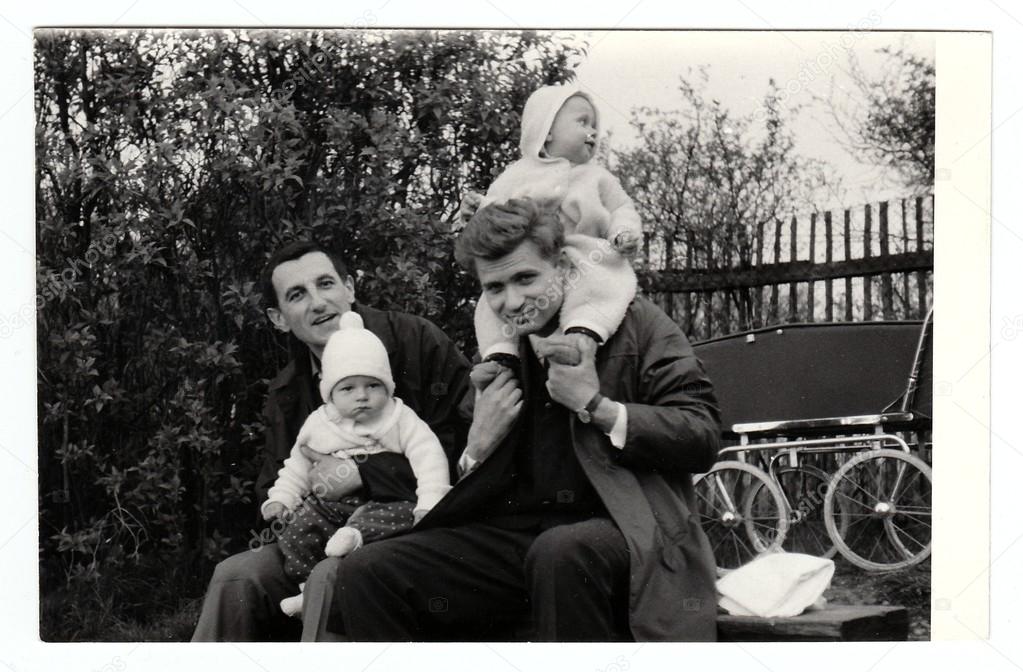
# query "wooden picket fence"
(849, 265)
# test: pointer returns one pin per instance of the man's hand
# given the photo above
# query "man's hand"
(574, 386)
(562, 349)
(334, 478)
(273, 511)
(497, 407)
(484, 373)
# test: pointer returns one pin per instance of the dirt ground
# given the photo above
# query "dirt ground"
(910, 588)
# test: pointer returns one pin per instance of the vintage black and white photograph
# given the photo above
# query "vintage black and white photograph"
(508, 335)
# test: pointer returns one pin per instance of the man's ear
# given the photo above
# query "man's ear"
(278, 320)
(349, 284)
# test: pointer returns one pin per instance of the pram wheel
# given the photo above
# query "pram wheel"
(886, 496)
(742, 512)
(804, 487)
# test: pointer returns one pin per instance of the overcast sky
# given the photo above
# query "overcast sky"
(625, 69)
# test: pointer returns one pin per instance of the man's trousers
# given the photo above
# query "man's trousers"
(479, 581)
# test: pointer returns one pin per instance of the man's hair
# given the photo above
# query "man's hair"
(290, 252)
(498, 229)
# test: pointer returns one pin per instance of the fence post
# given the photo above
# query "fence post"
(829, 309)
(907, 304)
(793, 290)
(669, 264)
(777, 259)
(758, 307)
(921, 276)
(886, 278)
(813, 260)
(687, 298)
(848, 255)
(868, 312)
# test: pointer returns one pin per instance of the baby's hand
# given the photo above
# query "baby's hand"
(274, 510)
(626, 242)
(469, 205)
(483, 374)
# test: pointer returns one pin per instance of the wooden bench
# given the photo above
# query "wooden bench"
(836, 623)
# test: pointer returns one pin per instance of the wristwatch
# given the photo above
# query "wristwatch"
(585, 414)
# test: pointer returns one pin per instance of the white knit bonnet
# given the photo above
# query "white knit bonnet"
(353, 350)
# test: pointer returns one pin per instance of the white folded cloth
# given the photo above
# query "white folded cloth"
(775, 585)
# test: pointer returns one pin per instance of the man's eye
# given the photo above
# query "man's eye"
(492, 289)
(326, 283)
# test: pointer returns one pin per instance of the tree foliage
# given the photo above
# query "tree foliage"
(169, 165)
(889, 117)
(706, 181)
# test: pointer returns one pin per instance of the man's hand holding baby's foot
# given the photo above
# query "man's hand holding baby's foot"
(343, 542)
(484, 373)
(626, 243)
(585, 343)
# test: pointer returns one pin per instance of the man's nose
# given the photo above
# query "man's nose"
(513, 299)
(316, 300)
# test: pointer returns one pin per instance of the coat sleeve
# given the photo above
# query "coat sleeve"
(275, 447)
(674, 427)
(444, 371)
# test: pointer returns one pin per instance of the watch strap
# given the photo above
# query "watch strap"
(591, 406)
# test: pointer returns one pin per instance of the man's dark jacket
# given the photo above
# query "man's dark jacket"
(673, 432)
(430, 375)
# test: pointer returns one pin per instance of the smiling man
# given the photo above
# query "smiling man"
(575, 502)
(306, 289)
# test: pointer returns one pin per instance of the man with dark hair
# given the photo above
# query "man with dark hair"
(306, 290)
(575, 500)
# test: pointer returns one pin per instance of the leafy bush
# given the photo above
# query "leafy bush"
(169, 166)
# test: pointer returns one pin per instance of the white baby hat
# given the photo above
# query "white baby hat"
(775, 585)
